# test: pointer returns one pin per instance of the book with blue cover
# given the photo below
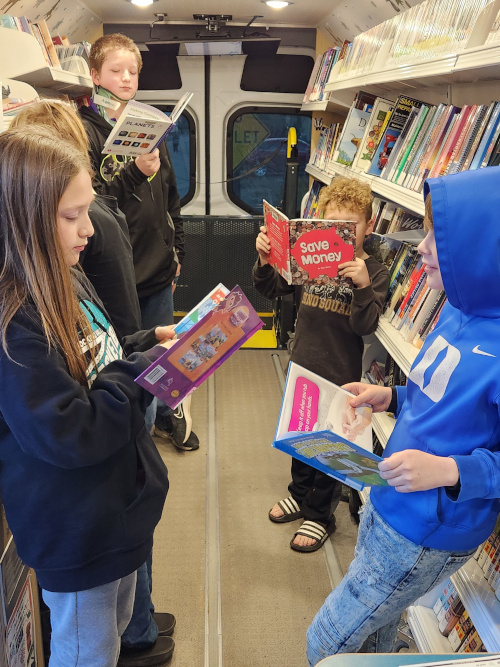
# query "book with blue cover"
(317, 426)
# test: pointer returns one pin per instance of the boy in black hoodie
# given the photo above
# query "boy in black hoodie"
(146, 191)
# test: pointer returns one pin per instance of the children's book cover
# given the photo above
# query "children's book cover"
(141, 128)
(318, 426)
(373, 133)
(201, 349)
(309, 251)
(352, 135)
(397, 120)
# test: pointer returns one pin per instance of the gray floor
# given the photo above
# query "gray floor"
(241, 596)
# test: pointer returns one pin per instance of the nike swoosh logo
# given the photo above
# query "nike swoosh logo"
(476, 350)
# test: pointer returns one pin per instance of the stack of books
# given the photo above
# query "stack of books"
(320, 75)
(326, 146)
(40, 32)
(428, 30)
(411, 306)
(311, 205)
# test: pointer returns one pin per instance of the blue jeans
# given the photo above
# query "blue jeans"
(388, 573)
(142, 630)
(87, 625)
(157, 310)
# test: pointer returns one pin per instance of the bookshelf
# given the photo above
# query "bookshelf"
(31, 66)
(481, 603)
(467, 76)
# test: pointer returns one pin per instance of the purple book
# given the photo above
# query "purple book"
(201, 350)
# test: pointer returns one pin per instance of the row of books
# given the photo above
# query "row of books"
(455, 623)
(411, 306)
(40, 32)
(311, 205)
(427, 30)
(440, 140)
(488, 559)
(323, 65)
(408, 141)
(325, 148)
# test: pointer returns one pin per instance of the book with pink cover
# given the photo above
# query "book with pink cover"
(318, 426)
(309, 251)
(179, 370)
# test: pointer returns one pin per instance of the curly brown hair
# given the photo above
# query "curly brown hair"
(103, 46)
(348, 193)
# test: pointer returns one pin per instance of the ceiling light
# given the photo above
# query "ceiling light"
(277, 4)
(142, 3)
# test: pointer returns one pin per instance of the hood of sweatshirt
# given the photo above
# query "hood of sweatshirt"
(466, 208)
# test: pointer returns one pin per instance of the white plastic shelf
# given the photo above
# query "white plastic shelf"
(481, 603)
(424, 627)
(335, 104)
(383, 425)
(409, 199)
(319, 174)
(58, 79)
(403, 353)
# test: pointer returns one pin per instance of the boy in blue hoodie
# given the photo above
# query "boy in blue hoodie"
(442, 460)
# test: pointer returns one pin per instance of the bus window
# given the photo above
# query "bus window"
(256, 156)
(181, 144)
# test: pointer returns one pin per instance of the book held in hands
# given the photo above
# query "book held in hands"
(141, 128)
(203, 346)
(309, 251)
(317, 426)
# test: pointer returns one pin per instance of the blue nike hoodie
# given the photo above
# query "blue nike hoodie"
(451, 404)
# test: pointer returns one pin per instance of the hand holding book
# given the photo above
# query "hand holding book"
(379, 398)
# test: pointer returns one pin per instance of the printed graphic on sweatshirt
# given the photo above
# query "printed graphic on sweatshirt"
(112, 165)
(327, 298)
(103, 339)
(433, 372)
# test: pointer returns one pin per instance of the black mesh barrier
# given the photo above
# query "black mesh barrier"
(219, 250)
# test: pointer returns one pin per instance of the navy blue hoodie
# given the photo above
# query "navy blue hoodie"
(81, 480)
(451, 405)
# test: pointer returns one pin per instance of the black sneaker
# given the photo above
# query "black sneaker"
(179, 428)
(155, 656)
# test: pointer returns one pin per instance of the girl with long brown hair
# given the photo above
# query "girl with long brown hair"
(82, 483)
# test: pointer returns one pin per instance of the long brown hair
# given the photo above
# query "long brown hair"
(35, 170)
(56, 115)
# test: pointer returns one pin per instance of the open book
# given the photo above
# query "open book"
(202, 348)
(318, 426)
(309, 251)
(207, 304)
(141, 128)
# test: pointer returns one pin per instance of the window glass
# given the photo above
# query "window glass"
(181, 146)
(257, 145)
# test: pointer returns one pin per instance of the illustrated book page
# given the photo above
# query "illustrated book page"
(318, 426)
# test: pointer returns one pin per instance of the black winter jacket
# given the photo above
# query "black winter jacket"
(151, 206)
(81, 480)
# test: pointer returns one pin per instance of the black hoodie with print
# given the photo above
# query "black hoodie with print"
(151, 206)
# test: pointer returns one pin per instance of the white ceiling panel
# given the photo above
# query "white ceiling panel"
(304, 13)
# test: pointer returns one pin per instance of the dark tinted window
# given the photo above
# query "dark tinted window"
(278, 73)
(160, 70)
(181, 144)
(256, 160)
